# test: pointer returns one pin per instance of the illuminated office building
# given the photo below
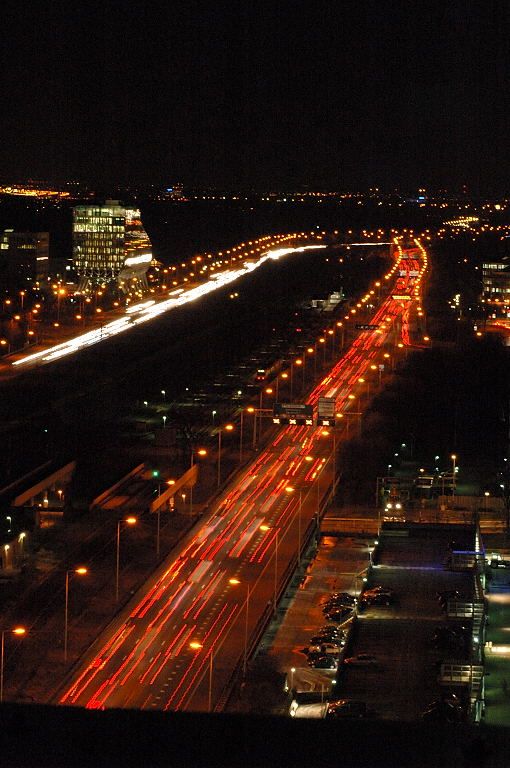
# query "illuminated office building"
(110, 244)
(496, 287)
(24, 258)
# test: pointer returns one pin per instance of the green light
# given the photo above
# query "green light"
(155, 473)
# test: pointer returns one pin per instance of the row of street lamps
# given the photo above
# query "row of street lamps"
(196, 645)
(79, 571)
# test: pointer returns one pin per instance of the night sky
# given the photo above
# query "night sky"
(341, 94)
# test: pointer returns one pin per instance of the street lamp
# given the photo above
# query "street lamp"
(196, 646)
(127, 521)
(388, 357)
(19, 631)
(454, 468)
(200, 452)
(283, 376)
(341, 325)
(227, 428)
(241, 430)
(235, 582)
(297, 362)
(322, 340)
(266, 528)
(267, 391)
(81, 571)
(251, 409)
(331, 332)
(163, 392)
(290, 489)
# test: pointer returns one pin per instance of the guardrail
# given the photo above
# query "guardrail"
(339, 525)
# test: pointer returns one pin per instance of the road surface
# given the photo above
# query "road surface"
(178, 642)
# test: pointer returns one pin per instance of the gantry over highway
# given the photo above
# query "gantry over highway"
(180, 640)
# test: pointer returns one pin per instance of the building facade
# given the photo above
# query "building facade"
(496, 287)
(24, 258)
(110, 244)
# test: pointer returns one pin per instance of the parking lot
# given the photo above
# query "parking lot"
(402, 680)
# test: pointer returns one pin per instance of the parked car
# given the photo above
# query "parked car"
(338, 638)
(333, 605)
(448, 709)
(379, 598)
(346, 708)
(362, 660)
(327, 648)
(338, 614)
(451, 638)
(343, 597)
(322, 661)
(378, 591)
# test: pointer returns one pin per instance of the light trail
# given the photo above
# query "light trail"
(149, 663)
(146, 311)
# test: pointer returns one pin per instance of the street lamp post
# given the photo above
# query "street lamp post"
(322, 341)
(251, 409)
(341, 325)
(228, 428)
(292, 670)
(284, 376)
(310, 351)
(331, 332)
(388, 357)
(197, 646)
(290, 489)
(454, 467)
(234, 582)
(200, 452)
(268, 528)
(211, 661)
(275, 570)
(128, 521)
(241, 427)
(81, 571)
(267, 391)
(16, 631)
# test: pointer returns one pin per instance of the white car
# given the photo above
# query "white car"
(331, 649)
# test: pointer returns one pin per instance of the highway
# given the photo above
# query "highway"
(179, 640)
(137, 314)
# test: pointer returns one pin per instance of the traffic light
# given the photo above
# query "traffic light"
(155, 473)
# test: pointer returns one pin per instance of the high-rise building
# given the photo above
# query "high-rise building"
(24, 258)
(110, 244)
(496, 287)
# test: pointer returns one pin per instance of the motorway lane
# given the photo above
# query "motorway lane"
(145, 311)
(146, 660)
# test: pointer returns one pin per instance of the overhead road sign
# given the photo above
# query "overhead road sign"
(293, 413)
(326, 412)
(367, 326)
